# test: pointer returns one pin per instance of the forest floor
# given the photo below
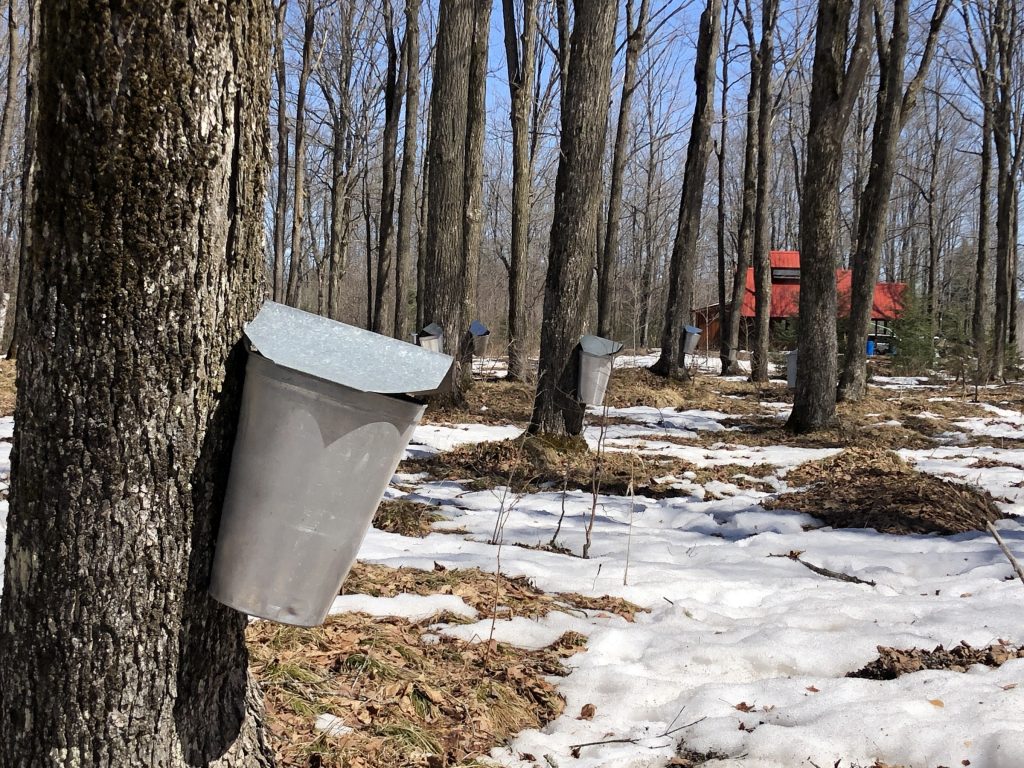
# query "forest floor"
(750, 598)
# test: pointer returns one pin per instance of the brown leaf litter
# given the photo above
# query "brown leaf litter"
(398, 695)
(531, 464)
(864, 488)
(489, 594)
(407, 518)
(893, 662)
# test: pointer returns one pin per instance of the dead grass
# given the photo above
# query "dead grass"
(407, 518)
(492, 596)
(489, 402)
(410, 701)
(871, 488)
(7, 394)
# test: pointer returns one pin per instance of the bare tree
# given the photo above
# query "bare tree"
(281, 204)
(893, 108)
(835, 84)
(684, 251)
(636, 32)
(573, 240)
(407, 196)
(520, 59)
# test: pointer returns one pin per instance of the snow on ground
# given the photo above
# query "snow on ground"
(740, 654)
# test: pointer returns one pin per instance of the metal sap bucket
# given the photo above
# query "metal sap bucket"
(480, 335)
(690, 339)
(325, 420)
(431, 338)
(596, 358)
(791, 369)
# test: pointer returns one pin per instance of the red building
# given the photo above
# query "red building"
(786, 299)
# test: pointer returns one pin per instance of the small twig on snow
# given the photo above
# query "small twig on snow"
(795, 555)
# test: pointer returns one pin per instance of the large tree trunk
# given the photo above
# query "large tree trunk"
(407, 196)
(473, 220)
(635, 38)
(394, 85)
(11, 97)
(520, 53)
(762, 244)
(556, 410)
(834, 87)
(281, 203)
(731, 330)
(138, 283)
(299, 183)
(893, 107)
(684, 250)
(445, 280)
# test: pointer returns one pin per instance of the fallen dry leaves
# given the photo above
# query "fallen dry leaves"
(865, 488)
(893, 662)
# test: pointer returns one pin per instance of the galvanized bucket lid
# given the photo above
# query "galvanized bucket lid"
(432, 330)
(599, 347)
(346, 355)
(478, 329)
(692, 329)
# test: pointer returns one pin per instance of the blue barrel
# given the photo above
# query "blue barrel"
(871, 347)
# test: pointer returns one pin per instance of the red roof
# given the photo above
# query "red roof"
(786, 296)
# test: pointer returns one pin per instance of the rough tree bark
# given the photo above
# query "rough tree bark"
(834, 88)
(139, 280)
(762, 244)
(281, 203)
(748, 200)
(520, 55)
(684, 250)
(636, 34)
(407, 196)
(445, 280)
(894, 105)
(556, 411)
(473, 220)
(299, 181)
(394, 86)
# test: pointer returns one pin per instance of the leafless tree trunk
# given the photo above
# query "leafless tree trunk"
(13, 69)
(723, 315)
(556, 410)
(446, 281)
(119, 657)
(341, 168)
(394, 86)
(636, 34)
(762, 244)
(893, 108)
(684, 251)
(407, 196)
(744, 245)
(520, 55)
(834, 88)
(299, 183)
(281, 204)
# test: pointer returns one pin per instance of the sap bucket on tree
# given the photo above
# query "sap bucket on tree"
(431, 338)
(689, 340)
(327, 411)
(480, 335)
(791, 358)
(596, 357)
